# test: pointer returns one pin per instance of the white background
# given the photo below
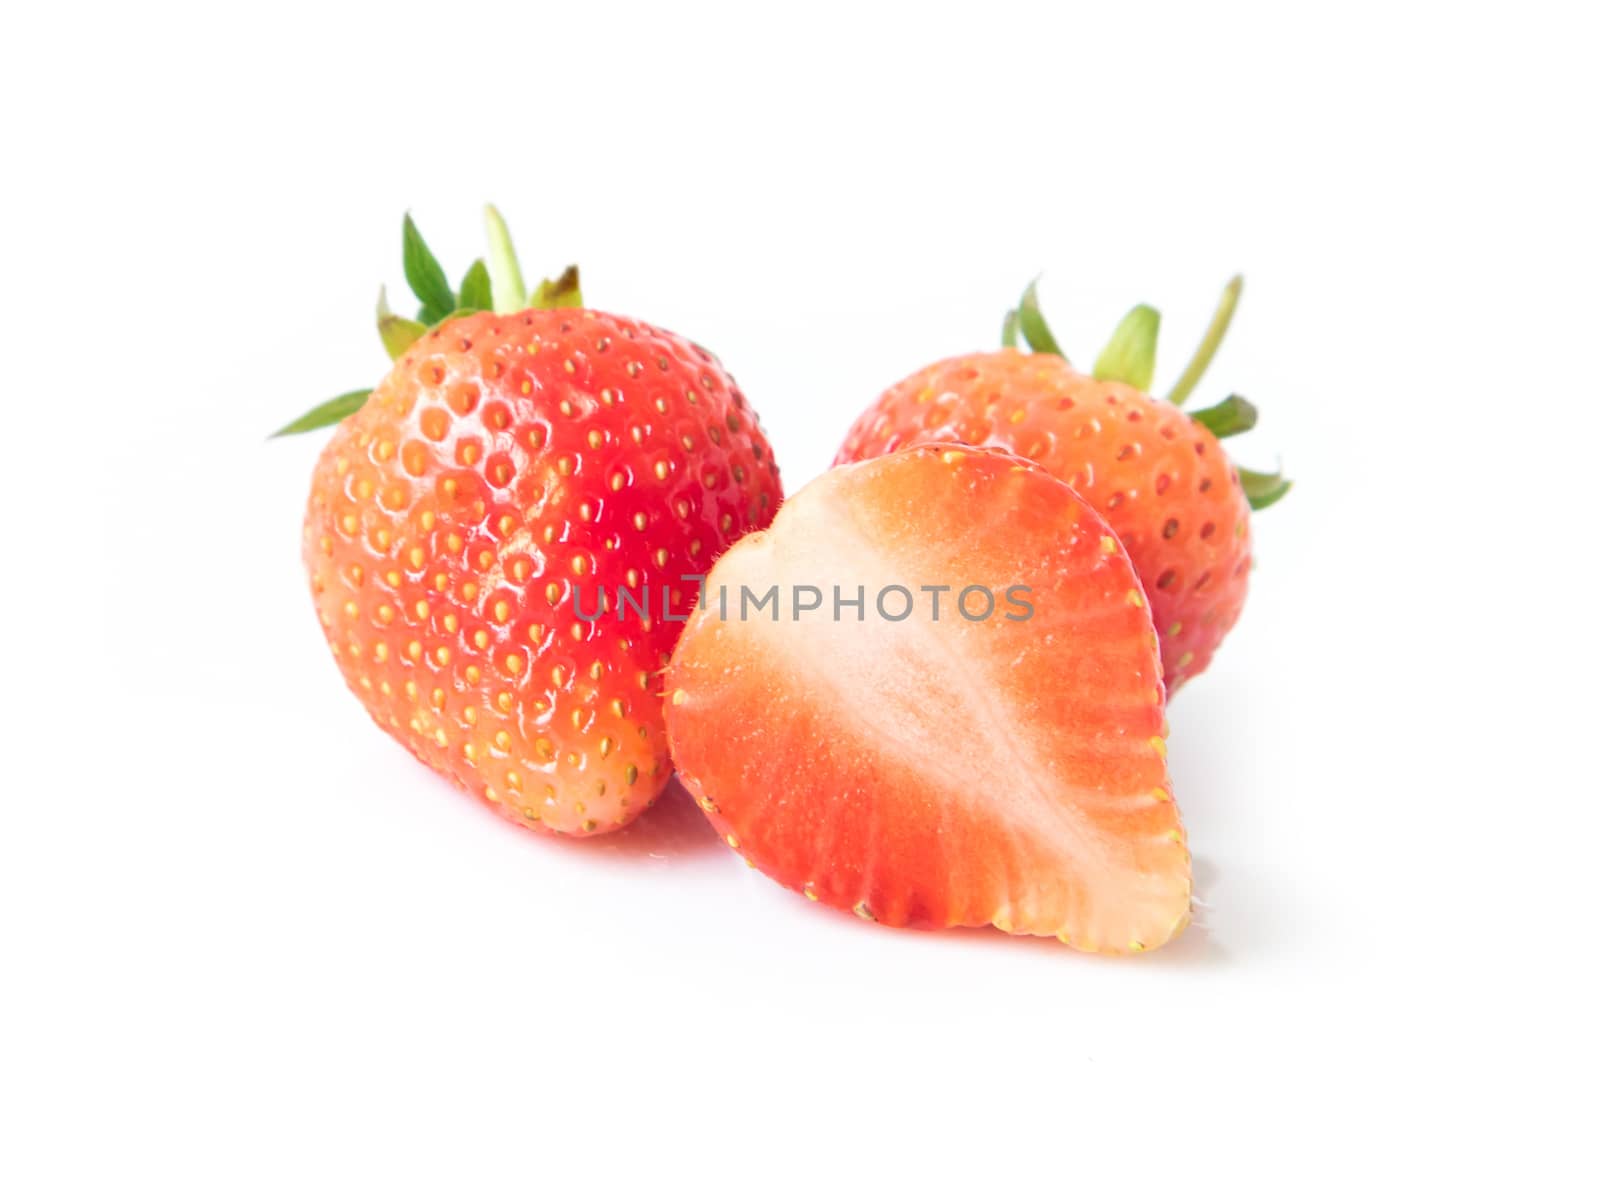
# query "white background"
(247, 944)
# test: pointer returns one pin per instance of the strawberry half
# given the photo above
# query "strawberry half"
(1159, 476)
(935, 757)
(467, 517)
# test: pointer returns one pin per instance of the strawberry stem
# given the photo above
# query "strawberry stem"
(508, 291)
(1008, 330)
(1130, 354)
(323, 414)
(1263, 489)
(397, 333)
(425, 276)
(563, 291)
(1235, 414)
(1215, 331)
(1030, 321)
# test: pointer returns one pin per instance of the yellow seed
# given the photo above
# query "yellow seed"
(733, 842)
(1160, 746)
(1135, 598)
(1107, 544)
(1160, 794)
(631, 773)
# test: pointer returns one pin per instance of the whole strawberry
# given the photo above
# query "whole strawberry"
(475, 515)
(1159, 476)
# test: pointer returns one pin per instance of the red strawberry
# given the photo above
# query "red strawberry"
(509, 459)
(945, 769)
(1160, 477)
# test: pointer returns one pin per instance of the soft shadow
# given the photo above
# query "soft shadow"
(673, 828)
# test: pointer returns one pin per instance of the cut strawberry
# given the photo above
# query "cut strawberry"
(980, 765)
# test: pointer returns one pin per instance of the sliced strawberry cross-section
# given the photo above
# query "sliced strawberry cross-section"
(951, 715)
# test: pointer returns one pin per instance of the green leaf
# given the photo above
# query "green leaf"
(1215, 331)
(475, 290)
(505, 273)
(397, 333)
(563, 292)
(425, 276)
(1263, 489)
(1008, 330)
(1235, 414)
(324, 414)
(1130, 355)
(1030, 320)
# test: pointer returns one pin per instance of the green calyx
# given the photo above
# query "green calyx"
(1130, 354)
(1130, 357)
(492, 283)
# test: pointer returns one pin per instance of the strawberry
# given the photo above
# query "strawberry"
(933, 757)
(1160, 477)
(468, 513)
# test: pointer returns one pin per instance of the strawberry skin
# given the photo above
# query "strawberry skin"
(948, 771)
(1159, 477)
(506, 459)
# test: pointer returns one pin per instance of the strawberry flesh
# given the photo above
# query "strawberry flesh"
(949, 771)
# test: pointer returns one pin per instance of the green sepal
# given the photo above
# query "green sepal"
(505, 272)
(1130, 354)
(562, 292)
(425, 276)
(475, 289)
(1030, 322)
(1008, 330)
(397, 333)
(1263, 489)
(1235, 414)
(1207, 349)
(324, 414)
